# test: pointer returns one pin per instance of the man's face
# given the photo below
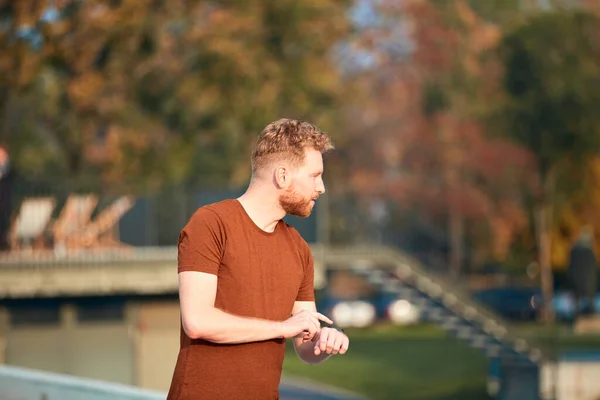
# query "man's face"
(307, 185)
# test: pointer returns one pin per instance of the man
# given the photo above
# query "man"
(583, 272)
(246, 277)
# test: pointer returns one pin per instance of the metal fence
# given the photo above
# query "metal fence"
(155, 220)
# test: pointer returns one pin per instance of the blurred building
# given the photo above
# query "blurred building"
(132, 340)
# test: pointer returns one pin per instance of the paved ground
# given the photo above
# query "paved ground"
(297, 389)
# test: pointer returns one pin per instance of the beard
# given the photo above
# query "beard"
(295, 204)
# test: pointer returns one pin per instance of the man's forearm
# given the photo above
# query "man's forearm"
(306, 352)
(217, 326)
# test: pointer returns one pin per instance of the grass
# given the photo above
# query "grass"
(419, 363)
(390, 363)
(558, 338)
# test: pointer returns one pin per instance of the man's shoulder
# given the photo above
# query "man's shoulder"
(222, 207)
(291, 230)
(295, 235)
(213, 212)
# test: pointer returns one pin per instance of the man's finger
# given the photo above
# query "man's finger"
(316, 337)
(339, 342)
(311, 331)
(317, 325)
(317, 350)
(345, 345)
(320, 343)
(331, 343)
(323, 340)
(323, 318)
(304, 335)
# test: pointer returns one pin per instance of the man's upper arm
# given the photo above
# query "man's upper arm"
(200, 249)
(306, 293)
(197, 291)
(201, 243)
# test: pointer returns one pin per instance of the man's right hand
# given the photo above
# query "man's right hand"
(307, 322)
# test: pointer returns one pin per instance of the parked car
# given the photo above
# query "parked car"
(525, 304)
(564, 305)
(513, 303)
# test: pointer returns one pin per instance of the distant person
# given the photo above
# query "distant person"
(6, 182)
(583, 271)
(246, 277)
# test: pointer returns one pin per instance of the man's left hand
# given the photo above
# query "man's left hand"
(331, 341)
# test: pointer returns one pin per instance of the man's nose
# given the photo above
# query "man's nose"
(321, 188)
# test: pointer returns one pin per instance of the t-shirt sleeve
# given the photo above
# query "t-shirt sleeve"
(201, 243)
(307, 288)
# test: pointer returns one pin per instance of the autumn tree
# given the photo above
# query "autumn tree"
(145, 92)
(552, 84)
(429, 149)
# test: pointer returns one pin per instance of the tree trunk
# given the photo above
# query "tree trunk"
(6, 97)
(543, 222)
(456, 242)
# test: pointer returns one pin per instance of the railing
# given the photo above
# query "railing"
(449, 293)
(21, 383)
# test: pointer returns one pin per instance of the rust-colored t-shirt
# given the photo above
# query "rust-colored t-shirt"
(260, 274)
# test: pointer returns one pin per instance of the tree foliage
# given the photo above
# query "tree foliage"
(141, 92)
(429, 148)
(552, 82)
(552, 87)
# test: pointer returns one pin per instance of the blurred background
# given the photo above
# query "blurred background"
(458, 238)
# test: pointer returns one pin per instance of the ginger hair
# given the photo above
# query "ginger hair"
(286, 139)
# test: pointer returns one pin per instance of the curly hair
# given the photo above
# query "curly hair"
(286, 139)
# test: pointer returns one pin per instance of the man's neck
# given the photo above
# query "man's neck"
(262, 206)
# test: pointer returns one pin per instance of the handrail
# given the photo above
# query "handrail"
(28, 383)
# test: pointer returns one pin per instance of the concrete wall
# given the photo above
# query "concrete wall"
(574, 377)
(141, 349)
(158, 344)
(578, 380)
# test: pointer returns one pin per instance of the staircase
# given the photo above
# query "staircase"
(441, 301)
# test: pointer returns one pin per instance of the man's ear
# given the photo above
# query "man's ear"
(282, 177)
